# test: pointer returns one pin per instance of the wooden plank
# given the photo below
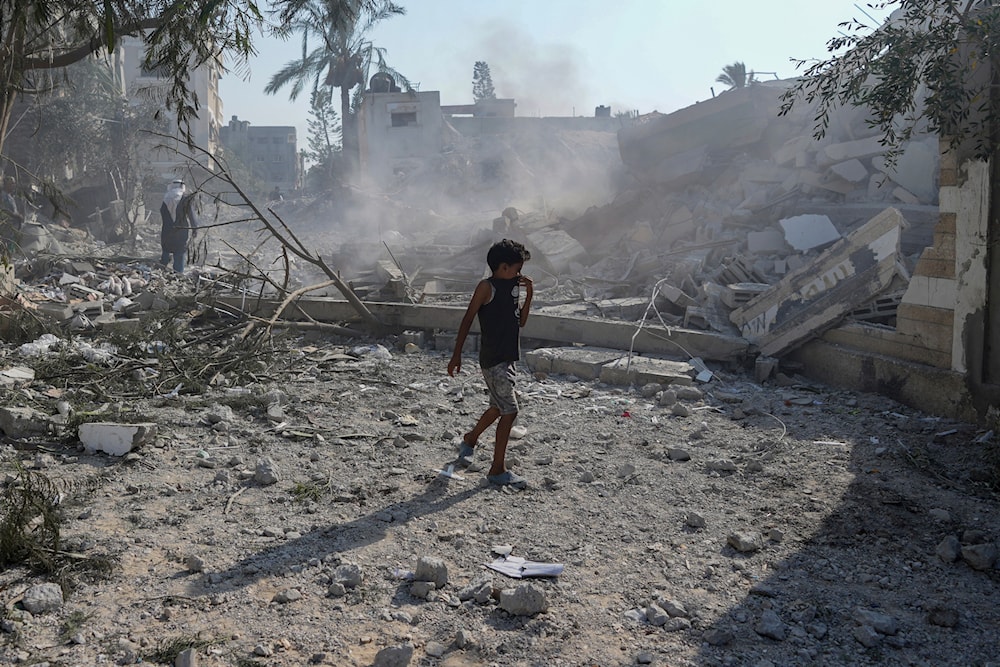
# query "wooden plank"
(816, 296)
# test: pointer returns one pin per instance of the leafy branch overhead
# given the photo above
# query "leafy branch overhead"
(927, 68)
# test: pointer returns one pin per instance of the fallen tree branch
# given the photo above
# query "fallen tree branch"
(284, 304)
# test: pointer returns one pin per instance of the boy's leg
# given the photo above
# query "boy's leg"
(500, 381)
(500, 448)
(472, 437)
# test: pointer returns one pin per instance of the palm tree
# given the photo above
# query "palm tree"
(735, 76)
(335, 51)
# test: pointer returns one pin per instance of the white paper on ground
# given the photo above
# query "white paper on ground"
(519, 568)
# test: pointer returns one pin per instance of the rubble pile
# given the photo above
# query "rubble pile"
(725, 200)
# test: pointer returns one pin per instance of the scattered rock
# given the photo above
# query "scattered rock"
(43, 598)
(744, 542)
(525, 600)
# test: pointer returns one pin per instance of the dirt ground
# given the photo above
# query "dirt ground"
(281, 524)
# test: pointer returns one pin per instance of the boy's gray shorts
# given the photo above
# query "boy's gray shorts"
(500, 383)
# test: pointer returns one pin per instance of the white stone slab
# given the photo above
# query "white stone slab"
(805, 232)
(115, 439)
(851, 171)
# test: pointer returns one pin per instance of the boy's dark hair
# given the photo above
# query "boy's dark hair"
(506, 252)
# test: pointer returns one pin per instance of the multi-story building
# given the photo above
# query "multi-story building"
(269, 151)
(143, 85)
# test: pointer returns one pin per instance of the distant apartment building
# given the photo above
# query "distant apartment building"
(144, 86)
(269, 151)
(399, 131)
(396, 131)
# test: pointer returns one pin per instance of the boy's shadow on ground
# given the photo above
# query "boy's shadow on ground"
(338, 538)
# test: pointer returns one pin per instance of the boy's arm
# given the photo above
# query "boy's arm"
(479, 297)
(528, 293)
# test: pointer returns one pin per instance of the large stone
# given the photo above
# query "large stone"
(433, 570)
(116, 439)
(42, 598)
(18, 422)
(394, 656)
(525, 600)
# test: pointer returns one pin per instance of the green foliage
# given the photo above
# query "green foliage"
(167, 650)
(735, 76)
(72, 624)
(324, 141)
(306, 491)
(30, 521)
(927, 68)
(75, 120)
(482, 82)
(335, 47)
(41, 36)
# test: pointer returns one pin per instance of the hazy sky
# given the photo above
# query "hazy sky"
(565, 57)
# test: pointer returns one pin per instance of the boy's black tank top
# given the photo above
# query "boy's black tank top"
(499, 326)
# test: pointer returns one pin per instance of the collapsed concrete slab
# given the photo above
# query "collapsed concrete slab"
(610, 366)
(645, 339)
(644, 370)
(558, 248)
(805, 232)
(816, 296)
(583, 362)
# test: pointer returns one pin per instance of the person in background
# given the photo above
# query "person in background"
(178, 217)
(495, 302)
(276, 195)
(11, 216)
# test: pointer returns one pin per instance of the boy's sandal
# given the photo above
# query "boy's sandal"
(508, 478)
(465, 454)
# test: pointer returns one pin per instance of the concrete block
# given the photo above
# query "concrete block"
(57, 311)
(108, 322)
(737, 294)
(805, 232)
(418, 338)
(790, 150)
(445, 342)
(765, 242)
(629, 309)
(811, 182)
(851, 171)
(583, 362)
(643, 370)
(905, 196)
(676, 296)
(116, 439)
(22, 422)
(680, 169)
(915, 169)
(847, 150)
(764, 368)
(557, 247)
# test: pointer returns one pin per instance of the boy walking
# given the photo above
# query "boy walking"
(495, 302)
